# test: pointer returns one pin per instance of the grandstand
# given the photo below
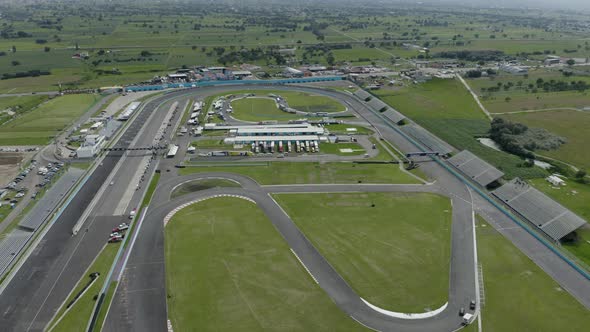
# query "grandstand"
(45, 205)
(362, 94)
(430, 142)
(544, 213)
(394, 116)
(377, 104)
(11, 245)
(475, 168)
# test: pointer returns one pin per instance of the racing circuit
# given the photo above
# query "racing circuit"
(50, 272)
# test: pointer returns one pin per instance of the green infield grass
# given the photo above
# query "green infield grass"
(229, 269)
(336, 148)
(392, 248)
(259, 109)
(309, 172)
(197, 185)
(39, 126)
(519, 296)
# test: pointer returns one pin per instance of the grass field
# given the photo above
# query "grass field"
(18, 105)
(229, 269)
(335, 148)
(197, 185)
(519, 296)
(259, 109)
(304, 172)
(79, 313)
(394, 254)
(534, 101)
(572, 125)
(39, 126)
(445, 108)
(341, 129)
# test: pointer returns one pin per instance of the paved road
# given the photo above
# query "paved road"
(140, 301)
(47, 276)
(133, 310)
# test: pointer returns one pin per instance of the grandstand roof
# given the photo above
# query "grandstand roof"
(475, 168)
(546, 214)
(377, 104)
(393, 115)
(362, 94)
(427, 140)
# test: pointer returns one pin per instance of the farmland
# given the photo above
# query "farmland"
(440, 105)
(247, 275)
(573, 125)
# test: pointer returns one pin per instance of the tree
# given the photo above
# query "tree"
(580, 174)
(571, 62)
(330, 59)
(15, 63)
(13, 49)
(47, 49)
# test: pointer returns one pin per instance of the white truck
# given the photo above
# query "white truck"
(467, 318)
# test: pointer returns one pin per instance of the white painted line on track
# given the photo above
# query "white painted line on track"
(402, 315)
(305, 267)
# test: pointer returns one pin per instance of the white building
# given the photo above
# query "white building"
(555, 180)
(91, 146)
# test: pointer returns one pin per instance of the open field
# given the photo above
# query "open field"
(259, 109)
(440, 105)
(229, 269)
(39, 126)
(198, 185)
(308, 172)
(79, 313)
(394, 254)
(519, 296)
(336, 148)
(342, 129)
(530, 101)
(572, 125)
(17, 105)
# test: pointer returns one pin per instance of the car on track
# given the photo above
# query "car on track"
(132, 213)
(114, 239)
(461, 311)
(472, 305)
(121, 228)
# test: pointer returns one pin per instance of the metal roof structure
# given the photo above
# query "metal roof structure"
(307, 130)
(430, 142)
(11, 245)
(377, 104)
(45, 206)
(362, 94)
(544, 213)
(394, 116)
(475, 168)
(282, 138)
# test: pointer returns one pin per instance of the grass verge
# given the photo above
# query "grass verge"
(304, 172)
(519, 296)
(77, 317)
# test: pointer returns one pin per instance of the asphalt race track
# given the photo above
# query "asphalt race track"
(142, 291)
(47, 276)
